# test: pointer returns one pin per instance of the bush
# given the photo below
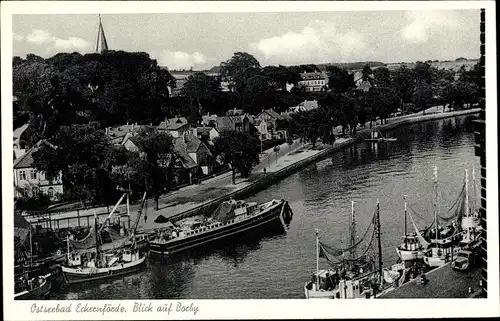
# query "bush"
(39, 202)
(271, 143)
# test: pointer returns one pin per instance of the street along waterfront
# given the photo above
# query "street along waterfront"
(276, 265)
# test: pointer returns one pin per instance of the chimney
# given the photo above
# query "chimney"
(132, 127)
(208, 114)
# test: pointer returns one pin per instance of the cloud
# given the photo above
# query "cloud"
(424, 23)
(52, 43)
(17, 37)
(317, 42)
(180, 59)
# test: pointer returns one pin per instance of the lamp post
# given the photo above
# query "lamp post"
(276, 150)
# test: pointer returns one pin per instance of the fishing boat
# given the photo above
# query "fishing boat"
(443, 240)
(230, 218)
(411, 248)
(89, 261)
(470, 220)
(29, 284)
(32, 289)
(355, 278)
(377, 137)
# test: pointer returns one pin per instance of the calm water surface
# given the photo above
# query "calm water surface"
(277, 265)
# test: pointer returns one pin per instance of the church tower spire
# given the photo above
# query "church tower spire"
(102, 44)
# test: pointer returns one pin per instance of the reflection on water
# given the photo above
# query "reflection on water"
(277, 265)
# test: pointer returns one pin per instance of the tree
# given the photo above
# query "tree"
(81, 153)
(257, 94)
(367, 74)
(199, 86)
(241, 66)
(422, 96)
(151, 169)
(339, 80)
(382, 77)
(240, 150)
(404, 85)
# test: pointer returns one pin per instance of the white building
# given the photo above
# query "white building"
(30, 182)
(314, 81)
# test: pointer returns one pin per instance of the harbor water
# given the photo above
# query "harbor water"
(275, 265)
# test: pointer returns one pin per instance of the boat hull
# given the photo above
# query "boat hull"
(36, 293)
(314, 294)
(409, 255)
(79, 275)
(267, 217)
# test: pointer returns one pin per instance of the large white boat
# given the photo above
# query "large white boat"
(355, 278)
(230, 218)
(411, 248)
(470, 219)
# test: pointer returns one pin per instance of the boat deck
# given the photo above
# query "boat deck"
(444, 282)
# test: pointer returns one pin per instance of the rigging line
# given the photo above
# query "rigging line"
(371, 222)
(459, 198)
(332, 249)
(335, 252)
(416, 213)
(364, 253)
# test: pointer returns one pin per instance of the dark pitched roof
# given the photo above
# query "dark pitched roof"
(204, 130)
(26, 160)
(18, 132)
(180, 150)
(312, 76)
(173, 123)
(272, 113)
(118, 133)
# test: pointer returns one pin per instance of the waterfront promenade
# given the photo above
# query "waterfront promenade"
(195, 199)
(444, 282)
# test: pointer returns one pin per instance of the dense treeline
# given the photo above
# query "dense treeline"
(70, 98)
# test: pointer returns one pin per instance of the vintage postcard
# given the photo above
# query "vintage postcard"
(235, 160)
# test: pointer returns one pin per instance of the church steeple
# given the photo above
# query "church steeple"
(102, 44)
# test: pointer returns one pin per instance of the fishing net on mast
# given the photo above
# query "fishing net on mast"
(225, 211)
(326, 250)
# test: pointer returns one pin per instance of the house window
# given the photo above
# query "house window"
(33, 174)
(22, 175)
(50, 192)
(35, 190)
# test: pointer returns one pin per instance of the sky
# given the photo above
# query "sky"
(203, 40)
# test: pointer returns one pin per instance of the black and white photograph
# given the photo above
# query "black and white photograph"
(168, 158)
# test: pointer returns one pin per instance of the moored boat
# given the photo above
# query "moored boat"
(32, 289)
(377, 137)
(411, 248)
(355, 278)
(103, 265)
(231, 218)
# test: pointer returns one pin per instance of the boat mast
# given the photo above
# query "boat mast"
(96, 237)
(353, 231)
(435, 202)
(67, 245)
(406, 231)
(317, 258)
(474, 196)
(31, 248)
(379, 243)
(467, 210)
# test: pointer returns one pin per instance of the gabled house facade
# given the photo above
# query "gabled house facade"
(237, 123)
(29, 182)
(313, 81)
(272, 119)
(177, 126)
(116, 135)
(209, 132)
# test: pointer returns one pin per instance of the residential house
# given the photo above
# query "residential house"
(306, 105)
(29, 182)
(261, 126)
(272, 120)
(19, 147)
(177, 126)
(314, 81)
(235, 112)
(210, 132)
(193, 157)
(209, 120)
(117, 134)
(239, 123)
